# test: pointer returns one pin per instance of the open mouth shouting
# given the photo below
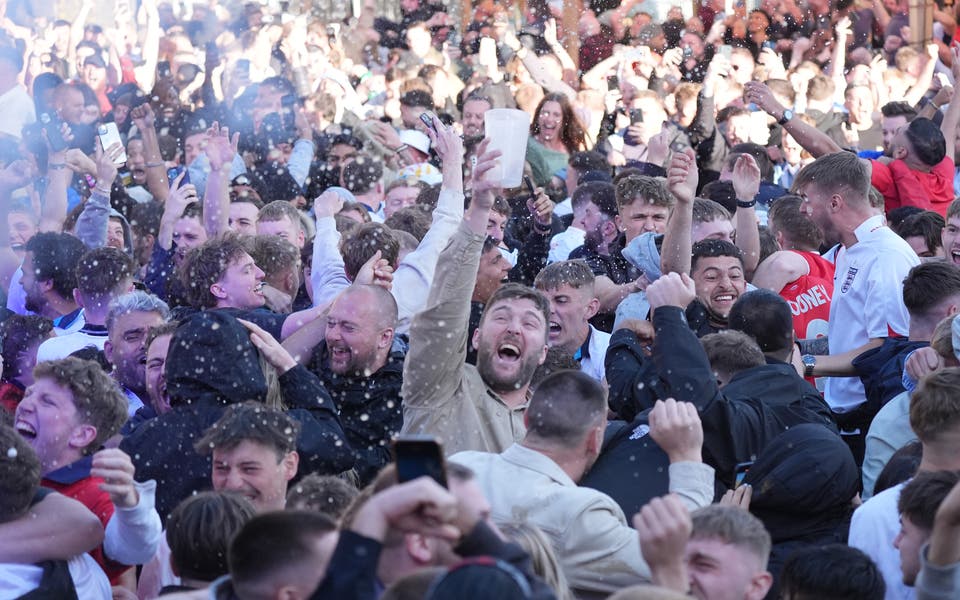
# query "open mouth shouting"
(26, 430)
(508, 352)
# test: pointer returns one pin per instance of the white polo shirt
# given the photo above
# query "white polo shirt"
(867, 301)
(591, 363)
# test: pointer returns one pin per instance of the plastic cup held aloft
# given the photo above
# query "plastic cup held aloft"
(507, 130)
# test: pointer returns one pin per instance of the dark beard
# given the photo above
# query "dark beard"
(485, 357)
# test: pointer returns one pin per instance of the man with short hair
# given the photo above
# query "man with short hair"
(157, 401)
(867, 307)
(401, 193)
(917, 505)
(597, 550)
(935, 419)
(243, 214)
(363, 177)
(716, 553)
(950, 236)
(473, 408)
(68, 413)
(797, 271)
(280, 262)
(923, 232)
(127, 323)
(568, 285)
(279, 553)
(254, 453)
(474, 107)
(103, 274)
(49, 278)
(280, 218)
(358, 365)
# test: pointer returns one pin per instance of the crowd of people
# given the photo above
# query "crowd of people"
(708, 348)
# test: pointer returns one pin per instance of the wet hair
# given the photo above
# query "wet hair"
(17, 333)
(55, 258)
(650, 190)
(251, 421)
(102, 271)
(575, 273)
(325, 494)
(602, 194)
(205, 265)
(364, 243)
(199, 531)
(96, 396)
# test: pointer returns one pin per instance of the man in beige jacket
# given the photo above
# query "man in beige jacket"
(535, 481)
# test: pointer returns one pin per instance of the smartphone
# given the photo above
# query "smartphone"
(530, 187)
(427, 118)
(163, 70)
(613, 83)
(739, 472)
(54, 136)
(636, 116)
(726, 51)
(419, 455)
(110, 135)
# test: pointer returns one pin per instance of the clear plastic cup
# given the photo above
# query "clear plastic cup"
(507, 130)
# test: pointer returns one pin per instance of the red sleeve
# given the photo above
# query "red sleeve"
(882, 179)
(911, 190)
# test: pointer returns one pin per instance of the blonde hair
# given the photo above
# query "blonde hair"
(542, 557)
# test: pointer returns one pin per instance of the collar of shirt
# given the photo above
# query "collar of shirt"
(73, 472)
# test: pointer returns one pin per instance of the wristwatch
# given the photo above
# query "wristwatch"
(746, 203)
(787, 115)
(809, 363)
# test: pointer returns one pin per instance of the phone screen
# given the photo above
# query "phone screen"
(417, 456)
(740, 472)
(110, 135)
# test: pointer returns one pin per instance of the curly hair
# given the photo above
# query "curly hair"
(205, 265)
(97, 398)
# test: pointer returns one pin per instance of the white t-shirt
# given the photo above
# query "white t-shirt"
(63, 346)
(873, 528)
(565, 242)
(88, 579)
(867, 301)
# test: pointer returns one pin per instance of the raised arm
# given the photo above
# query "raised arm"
(177, 201)
(952, 117)
(746, 184)
(157, 183)
(146, 73)
(220, 151)
(56, 528)
(925, 78)
(682, 179)
(92, 223)
(810, 138)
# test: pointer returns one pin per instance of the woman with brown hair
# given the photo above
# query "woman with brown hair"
(555, 134)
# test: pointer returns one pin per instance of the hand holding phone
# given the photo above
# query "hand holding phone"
(427, 117)
(110, 135)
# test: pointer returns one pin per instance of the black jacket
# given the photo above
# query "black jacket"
(803, 482)
(370, 409)
(881, 371)
(212, 364)
(753, 408)
(633, 377)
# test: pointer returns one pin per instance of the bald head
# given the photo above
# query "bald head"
(360, 328)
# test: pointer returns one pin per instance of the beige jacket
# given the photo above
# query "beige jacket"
(598, 551)
(442, 395)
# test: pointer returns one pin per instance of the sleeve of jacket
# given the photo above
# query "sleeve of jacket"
(438, 335)
(327, 275)
(937, 583)
(352, 569)
(322, 443)
(159, 271)
(680, 359)
(92, 223)
(132, 535)
(599, 552)
(704, 124)
(483, 541)
(632, 378)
